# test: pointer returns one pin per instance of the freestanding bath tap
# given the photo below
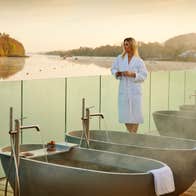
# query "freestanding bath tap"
(15, 146)
(193, 95)
(86, 120)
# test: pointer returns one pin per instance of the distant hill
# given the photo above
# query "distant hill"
(182, 42)
(10, 47)
(172, 49)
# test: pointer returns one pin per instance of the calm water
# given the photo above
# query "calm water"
(45, 66)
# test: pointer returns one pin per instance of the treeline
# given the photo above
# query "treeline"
(169, 50)
(146, 51)
(86, 51)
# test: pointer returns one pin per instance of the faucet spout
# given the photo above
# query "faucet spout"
(193, 95)
(30, 127)
(97, 114)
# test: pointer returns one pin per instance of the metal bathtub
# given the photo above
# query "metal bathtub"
(178, 154)
(176, 123)
(81, 171)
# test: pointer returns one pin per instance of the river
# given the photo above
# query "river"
(47, 66)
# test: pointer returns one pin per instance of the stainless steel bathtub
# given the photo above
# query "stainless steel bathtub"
(176, 123)
(80, 171)
(179, 154)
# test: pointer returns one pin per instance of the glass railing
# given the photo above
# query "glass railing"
(56, 104)
(44, 104)
(10, 95)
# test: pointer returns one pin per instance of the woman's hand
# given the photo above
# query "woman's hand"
(118, 74)
(129, 74)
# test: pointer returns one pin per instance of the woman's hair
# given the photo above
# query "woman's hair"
(133, 45)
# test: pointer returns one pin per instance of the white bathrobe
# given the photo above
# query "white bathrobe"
(130, 94)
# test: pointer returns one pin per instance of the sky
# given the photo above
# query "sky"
(45, 25)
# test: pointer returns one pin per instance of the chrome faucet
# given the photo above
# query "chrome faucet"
(86, 120)
(15, 145)
(193, 95)
(16, 135)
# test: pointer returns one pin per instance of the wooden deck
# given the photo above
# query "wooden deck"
(190, 192)
(2, 188)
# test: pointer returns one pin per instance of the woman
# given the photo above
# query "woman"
(131, 70)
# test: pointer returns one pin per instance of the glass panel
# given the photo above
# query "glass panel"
(190, 87)
(176, 90)
(10, 94)
(109, 104)
(44, 104)
(144, 128)
(78, 88)
(159, 94)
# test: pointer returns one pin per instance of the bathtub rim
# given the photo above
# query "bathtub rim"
(161, 113)
(89, 170)
(138, 146)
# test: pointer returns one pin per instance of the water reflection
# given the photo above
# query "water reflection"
(10, 66)
(44, 66)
